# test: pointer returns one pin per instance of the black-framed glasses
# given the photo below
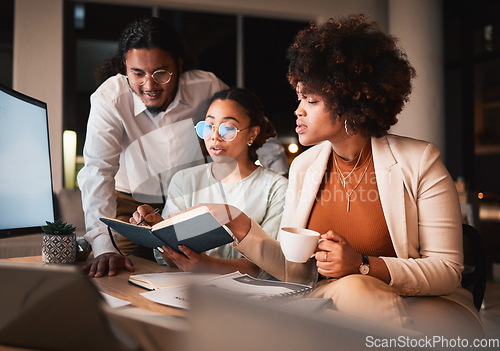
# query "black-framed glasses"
(226, 131)
(160, 76)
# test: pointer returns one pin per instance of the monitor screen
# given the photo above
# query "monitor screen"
(26, 198)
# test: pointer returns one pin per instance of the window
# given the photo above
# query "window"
(6, 41)
(472, 72)
(91, 34)
(90, 37)
(266, 42)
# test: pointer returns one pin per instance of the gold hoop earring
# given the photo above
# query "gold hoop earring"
(346, 130)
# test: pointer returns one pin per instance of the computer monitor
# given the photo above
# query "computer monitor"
(26, 196)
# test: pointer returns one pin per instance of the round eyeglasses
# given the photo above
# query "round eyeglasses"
(226, 131)
(160, 76)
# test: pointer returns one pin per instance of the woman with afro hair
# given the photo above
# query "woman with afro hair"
(385, 204)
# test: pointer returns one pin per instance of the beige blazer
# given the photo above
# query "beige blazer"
(421, 207)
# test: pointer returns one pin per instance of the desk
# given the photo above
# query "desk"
(144, 332)
(118, 285)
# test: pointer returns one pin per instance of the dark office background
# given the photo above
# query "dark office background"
(471, 69)
(211, 40)
(472, 92)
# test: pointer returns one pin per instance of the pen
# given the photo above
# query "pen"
(152, 213)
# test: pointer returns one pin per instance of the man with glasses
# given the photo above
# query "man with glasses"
(140, 132)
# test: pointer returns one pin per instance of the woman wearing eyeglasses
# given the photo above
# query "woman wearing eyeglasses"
(234, 128)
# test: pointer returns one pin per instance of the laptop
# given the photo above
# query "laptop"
(222, 321)
(52, 307)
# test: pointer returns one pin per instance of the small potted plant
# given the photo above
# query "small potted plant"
(58, 242)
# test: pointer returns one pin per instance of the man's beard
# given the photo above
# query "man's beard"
(153, 110)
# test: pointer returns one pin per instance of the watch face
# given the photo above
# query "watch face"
(364, 269)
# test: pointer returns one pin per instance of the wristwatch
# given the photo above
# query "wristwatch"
(364, 268)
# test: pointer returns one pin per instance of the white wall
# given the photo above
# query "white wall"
(418, 25)
(38, 65)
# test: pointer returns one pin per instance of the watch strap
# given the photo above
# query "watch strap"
(365, 259)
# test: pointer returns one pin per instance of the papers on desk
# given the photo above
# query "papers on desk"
(114, 302)
(175, 296)
(155, 281)
(234, 283)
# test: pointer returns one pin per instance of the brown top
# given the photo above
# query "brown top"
(364, 225)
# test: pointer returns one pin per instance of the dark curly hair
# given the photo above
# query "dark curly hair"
(149, 33)
(143, 33)
(356, 68)
(254, 110)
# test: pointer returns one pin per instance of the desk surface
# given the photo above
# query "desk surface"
(118, 286)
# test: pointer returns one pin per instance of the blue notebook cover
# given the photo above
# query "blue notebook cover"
(197, 229)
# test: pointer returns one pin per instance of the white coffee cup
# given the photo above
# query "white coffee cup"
(298, 244)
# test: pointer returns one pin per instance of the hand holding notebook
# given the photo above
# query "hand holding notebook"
(196, 228)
